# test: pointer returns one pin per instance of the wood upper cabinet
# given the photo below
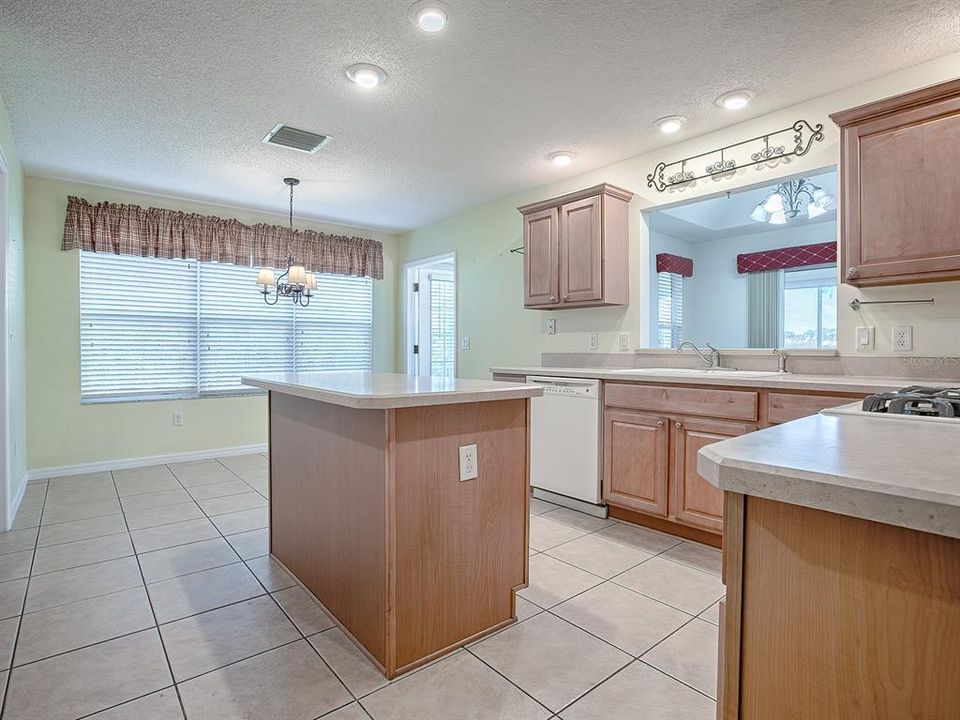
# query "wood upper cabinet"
(694, 501)
(636, 465)
(576, 249)
(900, 209)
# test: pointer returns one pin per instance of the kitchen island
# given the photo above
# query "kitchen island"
(369, 513)
(842, 567)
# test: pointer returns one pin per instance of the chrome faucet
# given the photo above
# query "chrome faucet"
(781, 360)
(713, 361)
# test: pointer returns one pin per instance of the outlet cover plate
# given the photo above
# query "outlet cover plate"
(468, 462)
(902, 338)
(593, 342)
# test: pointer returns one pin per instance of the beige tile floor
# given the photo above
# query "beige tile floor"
(148, 594)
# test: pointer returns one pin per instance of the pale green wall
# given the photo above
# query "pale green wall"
(490, 299)
(62, 431)
(16, 315)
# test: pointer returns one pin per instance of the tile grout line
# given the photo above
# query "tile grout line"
(153, 611)
(289, 618)
(23, 607)
(268, 593)
(497, 672)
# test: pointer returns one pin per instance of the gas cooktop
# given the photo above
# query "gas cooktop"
(916, 400)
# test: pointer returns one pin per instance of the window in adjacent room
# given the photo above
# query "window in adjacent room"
(810, 308)
(152, 328)
(669, 309)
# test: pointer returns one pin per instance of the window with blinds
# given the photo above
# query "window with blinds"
(669, 309)
(153, 329)
(442, 325)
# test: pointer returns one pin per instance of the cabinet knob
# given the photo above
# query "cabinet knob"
(563, 297)
(659, 423)
(553, 298)
(678, 425)
(852, 272)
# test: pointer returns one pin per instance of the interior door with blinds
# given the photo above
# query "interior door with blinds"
(432, 317)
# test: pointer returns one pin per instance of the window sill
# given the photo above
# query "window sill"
(126, 399)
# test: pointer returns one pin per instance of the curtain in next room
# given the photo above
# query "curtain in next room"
(764, 308)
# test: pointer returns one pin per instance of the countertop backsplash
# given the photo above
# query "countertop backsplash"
(945, 367)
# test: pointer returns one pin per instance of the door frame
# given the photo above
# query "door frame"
(409, 303)
(6, 482)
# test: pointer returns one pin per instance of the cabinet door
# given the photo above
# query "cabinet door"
(900, 212)
(694, 501)
(540, 257)
(635, 465)
(581, 273)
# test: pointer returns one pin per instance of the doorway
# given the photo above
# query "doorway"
(430, 310)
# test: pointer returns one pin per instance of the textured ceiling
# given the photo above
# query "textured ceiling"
(174, 96)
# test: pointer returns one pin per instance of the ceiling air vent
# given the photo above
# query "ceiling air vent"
(289, 137)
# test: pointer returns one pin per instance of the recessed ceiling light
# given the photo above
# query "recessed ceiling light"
(736, 99)
(670, 123)
(429, 15)
(366, 75)
(562, 158)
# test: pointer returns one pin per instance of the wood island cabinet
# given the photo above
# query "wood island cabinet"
(900, 209)
(575, 249)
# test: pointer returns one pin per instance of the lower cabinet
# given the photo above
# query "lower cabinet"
(636, 463)
(650, 465)
(694, 501)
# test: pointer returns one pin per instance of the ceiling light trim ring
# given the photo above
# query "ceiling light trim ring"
(419, 9)
(561, 158)
(358, 71)
(736, 99)
(670, 123)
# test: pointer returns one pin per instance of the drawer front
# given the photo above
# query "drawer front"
(784, 407)
(730, 404)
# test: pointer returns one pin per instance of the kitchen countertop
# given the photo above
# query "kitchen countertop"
(892, 470)
(785, 381)
(382, 391)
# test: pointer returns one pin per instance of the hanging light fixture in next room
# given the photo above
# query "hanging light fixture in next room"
(295, 283)
(793, 199)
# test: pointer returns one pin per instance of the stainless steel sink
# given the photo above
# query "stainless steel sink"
(702, 372)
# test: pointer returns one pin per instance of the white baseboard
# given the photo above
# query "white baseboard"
(15, 500)
(122, 464)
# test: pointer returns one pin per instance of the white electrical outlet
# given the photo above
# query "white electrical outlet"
(468, 462)
(593, 342)
(465, 342)
(178, 419)
(902, 338)
(865, 337)
(552, 326)
(625, 341)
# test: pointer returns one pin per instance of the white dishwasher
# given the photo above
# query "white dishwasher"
(565, 443)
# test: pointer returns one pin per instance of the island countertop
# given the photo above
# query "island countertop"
(383, 391)
(891, 470)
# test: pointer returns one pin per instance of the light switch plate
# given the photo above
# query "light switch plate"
(465, 342)
(552, 326)
(593, 342)
(468, 462)
(902, 338)
(624, 341)
(865, 335)
(177, 419)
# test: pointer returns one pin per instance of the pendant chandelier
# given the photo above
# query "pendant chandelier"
(295, 283)
(791, 200)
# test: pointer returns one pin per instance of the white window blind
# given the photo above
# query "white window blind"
(669, 309)
(442, 324)
(175, 328)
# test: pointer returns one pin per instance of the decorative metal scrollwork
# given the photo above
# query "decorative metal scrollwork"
(757, 150)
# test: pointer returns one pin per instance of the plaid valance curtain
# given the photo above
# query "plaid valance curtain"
(155, 232)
